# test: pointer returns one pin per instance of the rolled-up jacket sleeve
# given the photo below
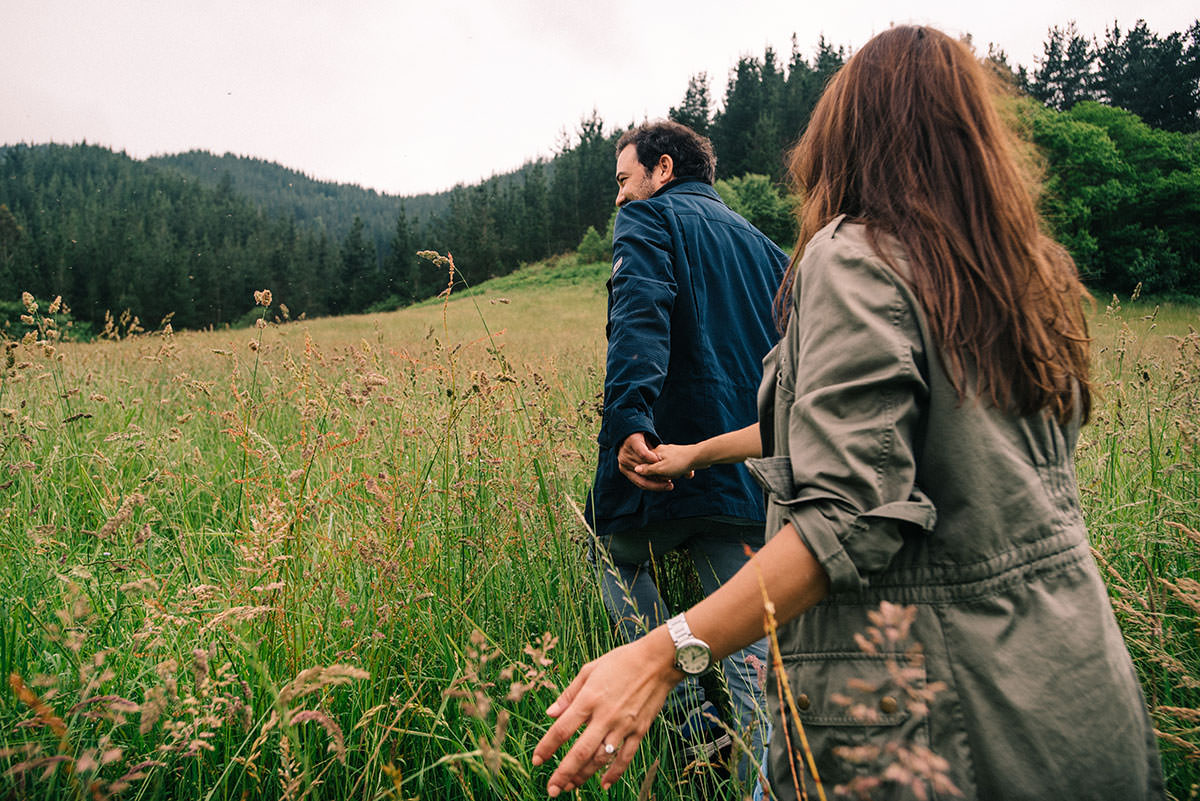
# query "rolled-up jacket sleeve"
(852, 391)
(641, 300)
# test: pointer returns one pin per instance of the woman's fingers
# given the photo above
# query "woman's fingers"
(602, 759)
(568, 722)
(563, 727)
(579, 763)
(613, 700)
(621, 761)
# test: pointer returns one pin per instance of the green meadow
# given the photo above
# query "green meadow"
(342, 558)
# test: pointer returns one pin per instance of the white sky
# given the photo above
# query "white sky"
(408, 97)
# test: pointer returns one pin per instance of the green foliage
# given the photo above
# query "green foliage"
(566, 270)
(759, 200)
(1123, 197)
(594, 247)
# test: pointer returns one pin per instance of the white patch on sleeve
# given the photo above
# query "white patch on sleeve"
(617, 264)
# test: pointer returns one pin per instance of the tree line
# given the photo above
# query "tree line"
(193, 235)
(1155, 77)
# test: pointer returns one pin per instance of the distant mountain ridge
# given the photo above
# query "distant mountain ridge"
(284, 192)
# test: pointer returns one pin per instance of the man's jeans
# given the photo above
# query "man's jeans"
(716, 547)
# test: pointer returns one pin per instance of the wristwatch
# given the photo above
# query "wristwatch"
(692, 655)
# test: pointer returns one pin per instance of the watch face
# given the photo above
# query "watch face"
(693, 658)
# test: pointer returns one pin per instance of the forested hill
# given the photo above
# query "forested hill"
(193, 235)
(285, 192)
(109, 233)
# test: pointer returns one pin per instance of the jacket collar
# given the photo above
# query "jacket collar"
(694, 186)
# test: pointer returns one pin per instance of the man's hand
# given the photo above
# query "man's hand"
(633, 452)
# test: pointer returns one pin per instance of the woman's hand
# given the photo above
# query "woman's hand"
(674, 461)
(616, 697)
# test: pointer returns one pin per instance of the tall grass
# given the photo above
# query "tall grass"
(338, 559)
(1139, 473)
(328, 560)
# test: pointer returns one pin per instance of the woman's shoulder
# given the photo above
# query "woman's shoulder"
(844, 250)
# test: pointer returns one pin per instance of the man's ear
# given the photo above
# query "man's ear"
(665, 167)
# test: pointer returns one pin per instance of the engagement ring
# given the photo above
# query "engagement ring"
(610, 749)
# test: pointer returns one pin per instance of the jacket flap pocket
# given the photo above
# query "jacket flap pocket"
(774, 475)
(854, 689)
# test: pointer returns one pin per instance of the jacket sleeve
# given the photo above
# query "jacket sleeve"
(855, 392)
(642, 296)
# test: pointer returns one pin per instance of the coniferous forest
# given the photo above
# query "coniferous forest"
(1117, 124)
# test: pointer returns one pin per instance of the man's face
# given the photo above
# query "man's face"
(634, 181)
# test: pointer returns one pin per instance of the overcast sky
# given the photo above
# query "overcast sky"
(408, 97)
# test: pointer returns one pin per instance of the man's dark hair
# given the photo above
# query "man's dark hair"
(691, 153)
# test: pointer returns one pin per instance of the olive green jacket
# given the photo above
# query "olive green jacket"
(971, 515)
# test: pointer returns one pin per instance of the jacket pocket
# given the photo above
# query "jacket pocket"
(774, 475)
(857, 717)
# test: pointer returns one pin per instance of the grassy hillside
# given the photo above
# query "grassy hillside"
(340, 558)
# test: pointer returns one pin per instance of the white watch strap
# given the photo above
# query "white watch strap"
(679, 629)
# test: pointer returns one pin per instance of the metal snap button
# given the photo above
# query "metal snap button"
(803, 701)
(888, 705)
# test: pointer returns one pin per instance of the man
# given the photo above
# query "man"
(689, 321)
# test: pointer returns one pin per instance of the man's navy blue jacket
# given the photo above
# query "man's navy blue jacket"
(689, 321)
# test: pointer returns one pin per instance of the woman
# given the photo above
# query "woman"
(920, 414)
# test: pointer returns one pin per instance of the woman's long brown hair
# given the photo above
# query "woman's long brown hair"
(907, 140)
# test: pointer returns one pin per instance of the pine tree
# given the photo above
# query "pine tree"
(1156, 78)
(10, 236)
(535, 222)
(733, 128)
(581, 189)
(696, 109)
(1065, 74)
(401, 272)
(359, 273)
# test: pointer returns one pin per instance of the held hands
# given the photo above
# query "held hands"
(674, 461)
(682, 461)
(653, 468)
(635, 453)
(616, 697)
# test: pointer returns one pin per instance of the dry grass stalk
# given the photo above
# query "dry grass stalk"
(791, 715)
